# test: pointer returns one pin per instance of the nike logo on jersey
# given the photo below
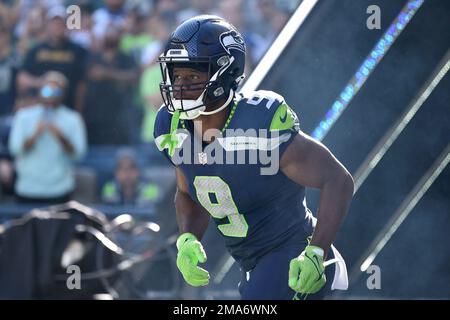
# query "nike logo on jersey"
(283, 119)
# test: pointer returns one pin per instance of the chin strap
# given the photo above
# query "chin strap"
(170, 140)
(230, 97)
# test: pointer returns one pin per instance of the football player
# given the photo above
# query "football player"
(269, 231)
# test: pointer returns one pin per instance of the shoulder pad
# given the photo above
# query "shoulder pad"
(273, 112)
(284, 118)
(265, 99)
(162, 121)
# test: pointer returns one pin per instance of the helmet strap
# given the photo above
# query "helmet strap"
(170, 140)
(230, 97)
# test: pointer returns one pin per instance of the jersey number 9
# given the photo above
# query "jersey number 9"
(222, 206)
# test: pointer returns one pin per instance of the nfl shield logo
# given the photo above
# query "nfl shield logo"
(202, 158)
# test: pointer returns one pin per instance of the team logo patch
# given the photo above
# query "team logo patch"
(202, 158)
(232, 40)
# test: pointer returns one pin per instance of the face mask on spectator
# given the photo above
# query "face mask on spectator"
(51, 92)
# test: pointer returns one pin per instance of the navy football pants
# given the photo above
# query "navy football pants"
(269, 279)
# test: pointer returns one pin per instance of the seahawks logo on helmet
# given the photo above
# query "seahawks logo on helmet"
(232, 40)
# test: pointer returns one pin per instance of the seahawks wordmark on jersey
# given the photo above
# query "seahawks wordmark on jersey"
(257, 144)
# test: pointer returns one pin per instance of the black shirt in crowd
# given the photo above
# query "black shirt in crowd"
(110, 113)
(67, 58)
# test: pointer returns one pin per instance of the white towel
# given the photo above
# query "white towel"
(340, 281)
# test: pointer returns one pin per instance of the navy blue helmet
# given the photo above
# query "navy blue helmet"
(206, 43)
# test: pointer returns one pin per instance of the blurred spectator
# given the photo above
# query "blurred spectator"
(277, 14)
(151, 77)
(112, 15)
(289, 6)
(278, 20)
(164, 8)
(7, 177)
(144, 7)
(197, 7)
(159, 30)
(33, 32)
(24, 8)
(233, 11)
(152, 100)
(7, 173)
(56, 53)
(110, 113)
(9, 13)
(127, 188)
(8, 70)
(136, 37)
(265, 8)
(44, 140)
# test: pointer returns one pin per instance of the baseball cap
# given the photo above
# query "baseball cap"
(56, 12)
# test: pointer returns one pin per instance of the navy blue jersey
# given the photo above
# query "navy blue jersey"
(236, 177)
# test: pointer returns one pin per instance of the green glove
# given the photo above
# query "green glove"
(306, 272)
(190, 253)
